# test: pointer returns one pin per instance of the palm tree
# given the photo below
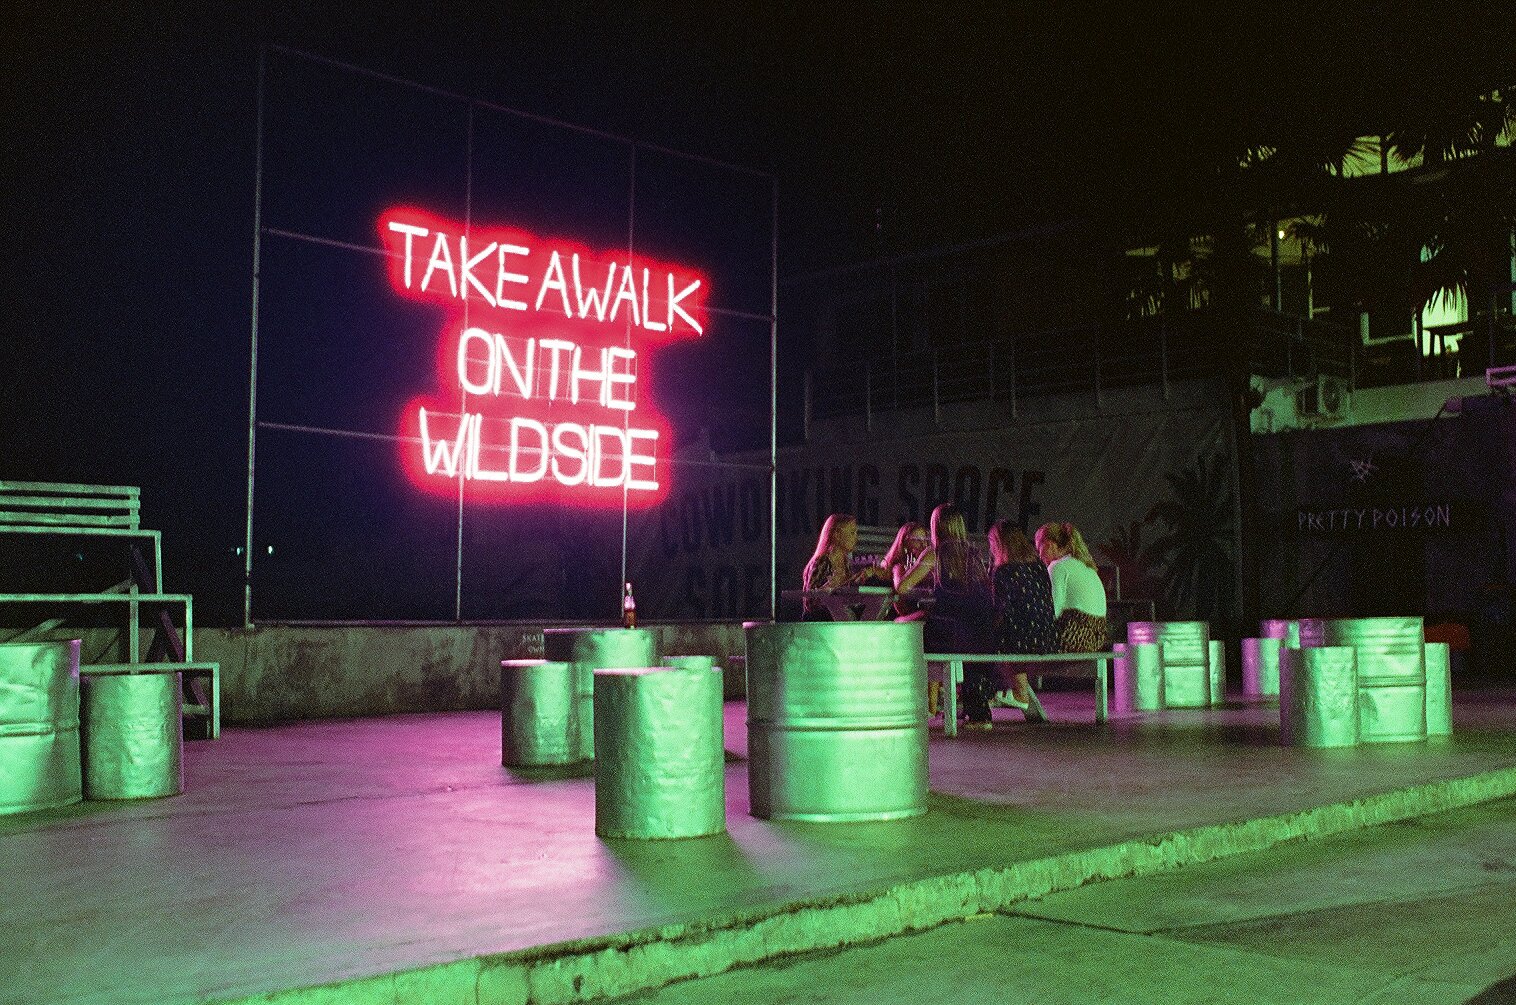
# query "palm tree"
(1199, 571)
(1124, 549)
(1439, 233)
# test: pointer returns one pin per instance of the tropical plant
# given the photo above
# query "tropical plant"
(1124, 550)
(1196, 551)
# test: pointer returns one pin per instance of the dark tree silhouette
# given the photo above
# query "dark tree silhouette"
(1199, 570)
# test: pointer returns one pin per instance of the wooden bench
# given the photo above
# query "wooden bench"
(1044, 665)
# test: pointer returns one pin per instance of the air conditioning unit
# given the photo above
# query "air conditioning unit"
(1324, 398)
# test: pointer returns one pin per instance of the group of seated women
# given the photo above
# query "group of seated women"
(1028, 601)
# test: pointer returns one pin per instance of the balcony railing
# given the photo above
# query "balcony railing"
(1148, 352)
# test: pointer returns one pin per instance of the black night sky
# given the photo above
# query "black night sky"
(129, 158)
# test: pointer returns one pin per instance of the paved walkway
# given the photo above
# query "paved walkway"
(1418, 911)
(335, 851)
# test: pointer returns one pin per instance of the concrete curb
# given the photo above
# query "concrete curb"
(613, 965)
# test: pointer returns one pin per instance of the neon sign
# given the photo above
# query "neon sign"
(542, 360)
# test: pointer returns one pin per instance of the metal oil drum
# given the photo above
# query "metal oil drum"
(691, 662)
(1391, 672)
(1137, 678)
(132, 730)
(1186, 659)
(1260, 668)
(539, 713)
(1285, 630)
(837, 726)
(591, 649)
(661, 769)
(1439, 689)
(1218, 672)
(39, 726)
(1318, 697)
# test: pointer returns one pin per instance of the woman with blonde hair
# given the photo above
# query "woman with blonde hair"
(1079, 609)
(830, 567)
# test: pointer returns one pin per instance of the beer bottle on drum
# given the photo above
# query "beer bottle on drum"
(628, 608)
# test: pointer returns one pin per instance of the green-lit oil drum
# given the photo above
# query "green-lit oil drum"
(132, 730)
(1285, 630)
(539, 713)
(1123, 694)
(39, 726)
(836, 720)
(1218, 672)
(591, 649)
(1391, 672)
(660, 769)
(1137, 678)
(1439, 689)
(1186, 659)
(691, 662)
(1318, 697)
(1260, 668)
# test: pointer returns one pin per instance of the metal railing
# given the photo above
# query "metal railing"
(1146, 352)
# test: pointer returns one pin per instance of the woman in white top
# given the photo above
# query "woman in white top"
(1078, 594)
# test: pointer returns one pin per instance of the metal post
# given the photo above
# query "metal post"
(1274, 261)
(252, 365)
(774, 404)
(626, 418)
(468, 223)
(1163, 354)
(1420, 335)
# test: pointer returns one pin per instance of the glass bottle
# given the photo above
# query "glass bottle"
(628, 608)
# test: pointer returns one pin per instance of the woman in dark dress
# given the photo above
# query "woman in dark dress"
(961, 618)
(1023, 610)
(911, 543)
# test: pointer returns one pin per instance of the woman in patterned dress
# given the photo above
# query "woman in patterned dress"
(1023, 610)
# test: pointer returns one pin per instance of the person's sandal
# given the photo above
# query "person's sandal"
(1033, 710)
(1008, 699)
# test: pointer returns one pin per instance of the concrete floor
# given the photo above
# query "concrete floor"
(1417, 911)
(329, 852)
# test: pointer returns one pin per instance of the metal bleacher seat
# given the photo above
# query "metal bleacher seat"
(42, 510)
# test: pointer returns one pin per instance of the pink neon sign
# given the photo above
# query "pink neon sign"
(541, 363)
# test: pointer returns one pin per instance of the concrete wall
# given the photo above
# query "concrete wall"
(280, 672)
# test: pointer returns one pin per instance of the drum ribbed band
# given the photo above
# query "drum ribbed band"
(1186, 659)
(836, 721)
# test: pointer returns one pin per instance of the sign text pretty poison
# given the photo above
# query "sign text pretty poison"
(545, 355)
